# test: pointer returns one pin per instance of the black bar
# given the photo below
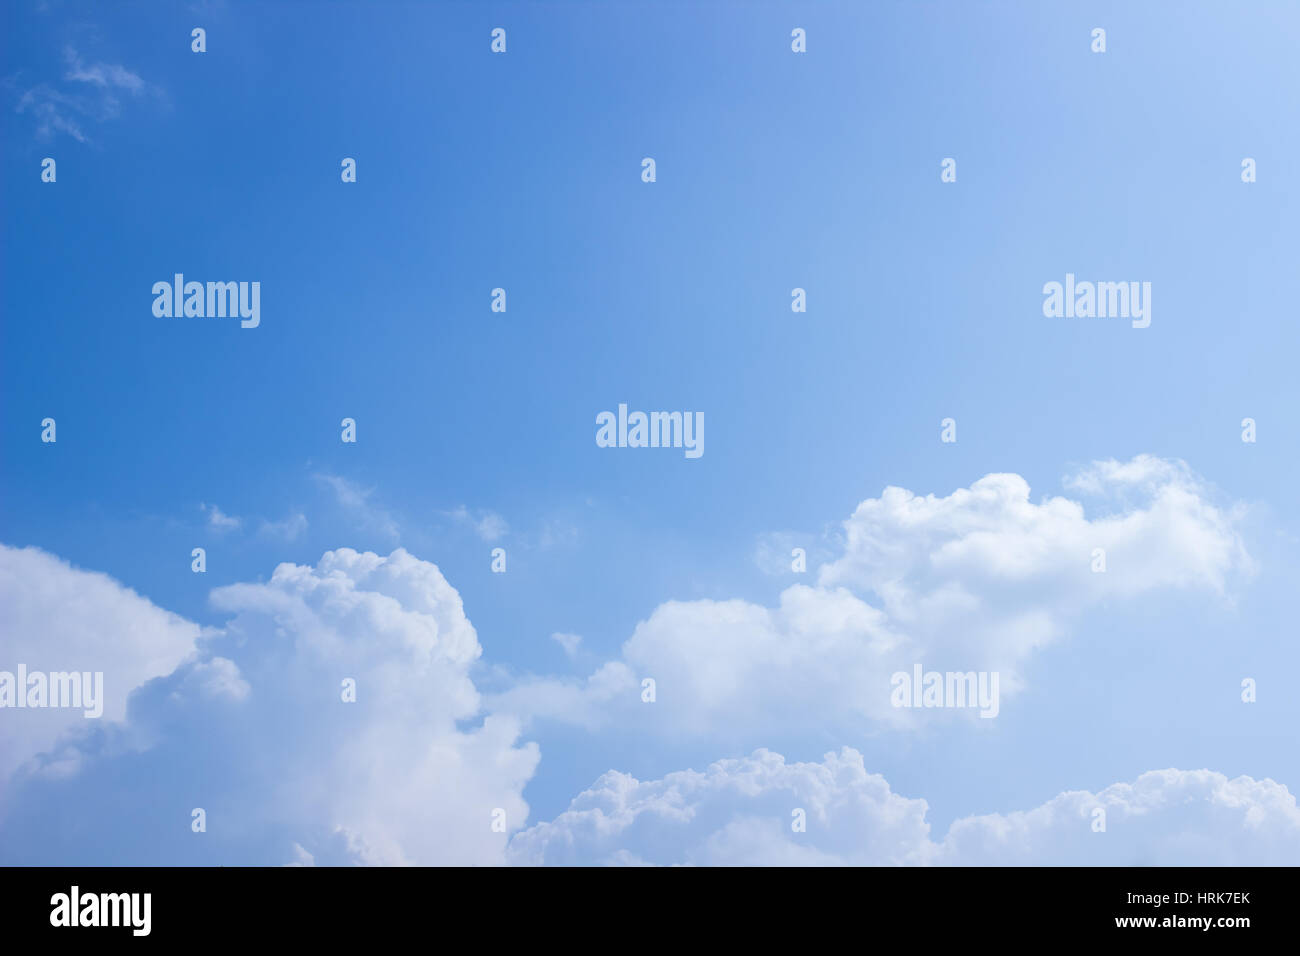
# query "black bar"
(670, 906)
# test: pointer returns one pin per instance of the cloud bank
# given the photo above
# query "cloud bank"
(746, 812)
(333, 716)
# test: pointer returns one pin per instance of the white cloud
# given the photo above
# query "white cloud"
(218, 520)
(103, 75)
(357, 501)
(491, 526)
(488, 525)
(586, 702)
(55, 112)
(287, 529)
(413, 770)
(60, 618)
(301, 857)
(409, 773)
(569, 642)
(741, 812)
(89, 93)
(392, 770)
(736, 812)
(910, 550)
(974, 581)
(773, 551)
(1164, 818)
(557, 533)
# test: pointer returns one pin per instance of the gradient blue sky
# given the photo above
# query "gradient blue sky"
(774, 171)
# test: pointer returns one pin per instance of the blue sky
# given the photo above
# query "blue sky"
(775, 170)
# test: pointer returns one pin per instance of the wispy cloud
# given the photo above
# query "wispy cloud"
(54, 112)
(488, 525)
(103, 75)
(357, 501)
(89, 93)
(569, 642)
(557, 533)
(218, 520)
(287, 529)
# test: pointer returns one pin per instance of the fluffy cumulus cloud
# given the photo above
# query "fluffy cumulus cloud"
(253, 729)
(736, 812)
(973, 581)
(989, 547)
(59, 619)
(759, 810)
